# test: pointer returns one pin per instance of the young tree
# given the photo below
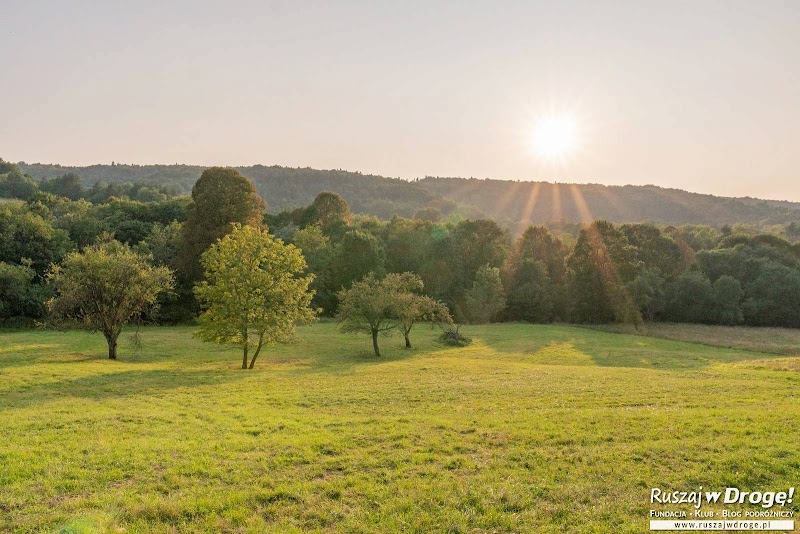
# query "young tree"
(105, 286)
(411, 307)
(369, 306)
(254, 292)
(486, 299)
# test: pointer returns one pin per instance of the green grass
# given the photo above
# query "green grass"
(530, 428)
(784, 341)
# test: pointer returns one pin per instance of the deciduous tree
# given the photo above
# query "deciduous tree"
(104, 287)
(254, 292)
(221, 198)
(369, 306)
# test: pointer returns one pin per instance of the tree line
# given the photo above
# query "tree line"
(516, 204)
(475, 269)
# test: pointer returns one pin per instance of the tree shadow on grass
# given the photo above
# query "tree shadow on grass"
(343, 354)
(575, 346)
(119, 384)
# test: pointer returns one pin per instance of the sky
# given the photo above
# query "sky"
(696, 95)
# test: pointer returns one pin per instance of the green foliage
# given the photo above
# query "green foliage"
(103, 287)
(221, 198)
(451, 336)
(411, 307)
(647, 294)
(68, 185)
(728, 296)
(654, 250)
(602, 265)
(534, 276)
(486, 298)
(772, 298)
(14, 184)
(329, 209)
(378, 306)
(357, 254)
(19, 295)
(27, 236)
(690, 299)
(254, 293)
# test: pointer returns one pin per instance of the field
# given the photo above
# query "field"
(531, 428)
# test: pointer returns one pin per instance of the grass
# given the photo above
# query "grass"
(784, 341)
(530, 428)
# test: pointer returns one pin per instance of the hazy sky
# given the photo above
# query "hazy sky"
(697, 95)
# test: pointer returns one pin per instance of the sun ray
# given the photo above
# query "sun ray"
(511, 193)
(530, 204)
(601, 258)
(555, 206)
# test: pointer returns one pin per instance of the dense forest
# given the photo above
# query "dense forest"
(513, 204)
(591, 272)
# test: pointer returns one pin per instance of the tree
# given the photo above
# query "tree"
(14, 184)
(772, 298)
(221, 198)
(369, 306)
(647, 294)
(104, 287)
(19, 296)
(25, 235)
(486, 297)
(329, 209)
(476, 244)
(68, 185)
(317, 250)
(690, 299)
(356, 255)
(254, 292)
(601, 266)
(654, 250)
(531, 293)
(728, 298)
(412, 307)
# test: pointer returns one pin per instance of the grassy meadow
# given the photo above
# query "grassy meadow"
(530, 428)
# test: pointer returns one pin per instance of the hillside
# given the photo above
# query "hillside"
(524, 203)
(512, 203)
(283, 187)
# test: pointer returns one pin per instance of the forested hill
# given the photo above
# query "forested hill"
(283, 187)
(512, 203)
(523, 203)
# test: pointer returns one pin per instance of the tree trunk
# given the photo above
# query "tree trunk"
(112, 345)
(258, 349)
(375, 343)
(244, 357)
(408, 341)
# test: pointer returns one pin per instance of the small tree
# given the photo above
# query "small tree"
(411, 307)
(254, 293)
(485, 300)
(369, 306)
(104, 287)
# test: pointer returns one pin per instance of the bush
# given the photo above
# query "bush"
(453, 337)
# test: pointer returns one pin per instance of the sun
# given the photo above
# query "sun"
(554, 137)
